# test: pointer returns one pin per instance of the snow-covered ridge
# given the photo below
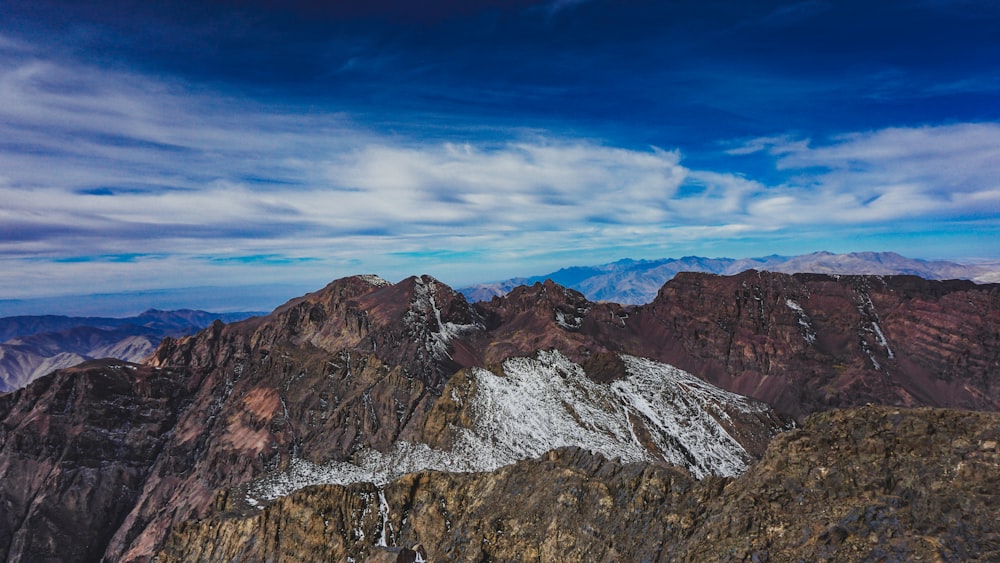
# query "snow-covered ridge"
(547, 402)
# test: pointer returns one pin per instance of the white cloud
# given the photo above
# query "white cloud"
(936, 172)
(99, 163)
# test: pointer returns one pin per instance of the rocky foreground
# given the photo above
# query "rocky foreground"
(866, 484)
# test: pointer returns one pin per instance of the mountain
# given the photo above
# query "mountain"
(637, 281)
(35, 345)
(800, 342)
(810, 342)
(362, 379)
(377, 414)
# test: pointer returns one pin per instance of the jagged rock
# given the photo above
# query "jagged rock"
(367, 380)
(852, 485)
(870, 484)
(33, 346)
(76, 449)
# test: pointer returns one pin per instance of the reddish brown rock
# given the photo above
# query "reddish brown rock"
(361, 364)
(809, 342)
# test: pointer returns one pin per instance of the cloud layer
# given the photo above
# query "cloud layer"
(117, 179)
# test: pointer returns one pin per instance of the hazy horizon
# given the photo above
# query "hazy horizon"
(261, 298)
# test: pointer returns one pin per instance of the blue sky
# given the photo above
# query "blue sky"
(149, 146)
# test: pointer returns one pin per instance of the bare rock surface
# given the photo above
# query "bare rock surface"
(809, 342)
(868, 484)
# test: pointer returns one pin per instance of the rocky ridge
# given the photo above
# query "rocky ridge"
(867, 484)
(809, 342)
(32, 346)
(344, 376)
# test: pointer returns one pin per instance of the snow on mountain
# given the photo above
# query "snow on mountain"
(655, 413)
(423, 307)
(634, 282)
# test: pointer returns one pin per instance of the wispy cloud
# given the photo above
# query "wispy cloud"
(113, 180)
(941, 172)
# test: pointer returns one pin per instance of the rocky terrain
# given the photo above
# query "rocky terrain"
(635, 282)
(32, 346)
(809, 342)
(390, 395)
(869, 484)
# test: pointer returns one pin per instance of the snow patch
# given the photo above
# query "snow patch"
(548, 402)
(880, 336)
(571, 322)
(383, 513)
(374, 280)
(423, 305)
(808, 332)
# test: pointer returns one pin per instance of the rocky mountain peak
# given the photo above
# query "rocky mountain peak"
(363, 382)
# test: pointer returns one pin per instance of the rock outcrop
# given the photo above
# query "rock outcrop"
(33, 346)
(76, 450)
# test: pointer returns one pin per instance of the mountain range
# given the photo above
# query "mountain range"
(634, 282)
(760, 416)
(32, 346)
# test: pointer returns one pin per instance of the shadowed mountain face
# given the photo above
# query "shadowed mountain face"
(365, 381)
(33, 346)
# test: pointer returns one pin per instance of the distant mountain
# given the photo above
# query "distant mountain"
(634, 282)
(33, 346)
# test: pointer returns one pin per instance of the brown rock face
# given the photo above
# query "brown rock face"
(75, 451)
(568, 506)
(362, 364)
(872, 484)
(809, 342)
(854, 485)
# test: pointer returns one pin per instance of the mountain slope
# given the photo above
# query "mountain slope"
(809, 342)
(76, 448)
(856, 485)
(635, 282)
(484, 421)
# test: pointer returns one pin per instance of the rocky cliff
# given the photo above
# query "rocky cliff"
(868, 484)
(76, 450)
(809, 342)
(32, 346)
